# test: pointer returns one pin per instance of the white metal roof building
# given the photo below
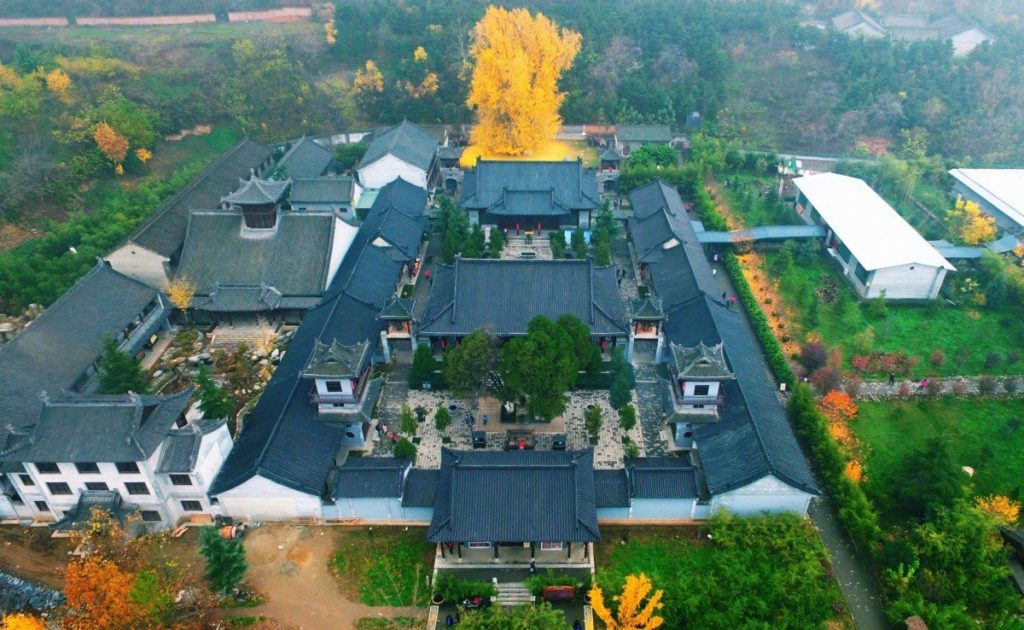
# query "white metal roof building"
(880, 253)
(999, 193)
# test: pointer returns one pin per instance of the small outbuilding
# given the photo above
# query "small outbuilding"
(999, 192)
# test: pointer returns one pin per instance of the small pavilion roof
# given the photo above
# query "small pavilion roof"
(257, 192)
(701, 361)
(336, 360)
(398, 308)
(646, 309)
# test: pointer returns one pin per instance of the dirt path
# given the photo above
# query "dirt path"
(30, 553)
(289, 565)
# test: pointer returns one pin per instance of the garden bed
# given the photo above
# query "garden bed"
(384, 566)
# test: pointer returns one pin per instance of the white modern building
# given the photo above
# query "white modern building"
(999, 192)
(880, 254)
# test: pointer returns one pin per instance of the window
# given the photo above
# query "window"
(551, 546)
(478, 545)
(192, 506)
(181, 480)
(48, 468)
(333, 386)
(58, 487)
(88, 468)
(96, 485)
(136, 487)
(861, 273)
(42, 507)
(128, 468)
(701, 390)
(150, 516)
(26, 480)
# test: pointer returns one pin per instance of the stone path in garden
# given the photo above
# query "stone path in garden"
(650, 409)
(395, 394)
(957, 385)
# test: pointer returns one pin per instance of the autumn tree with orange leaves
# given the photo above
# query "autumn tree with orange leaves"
(112, 145)
(633, 613)
(22, 622)
(98, 596)
(1003, 509)
(519, 60)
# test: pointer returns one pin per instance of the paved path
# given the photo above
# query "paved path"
(394, 395)
(958, 385)
(650, 409)
(852, 569)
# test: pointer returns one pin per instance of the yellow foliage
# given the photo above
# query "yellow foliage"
(369, 79)
(330, 32)
(968, 222)
(119, 169)
(8, 77)
(58, 82)
(633, 613)
(103, 67)
(514, 89)
(144, 155)
(420, 54)
(22, 622)
(427, 88)
(1004, 509)
(854, 471)
(180, 291)
(113, 145)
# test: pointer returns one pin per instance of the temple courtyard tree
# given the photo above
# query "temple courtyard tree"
(519, 59)
(470, 366)
(120, 373)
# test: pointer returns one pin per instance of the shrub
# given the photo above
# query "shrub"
(852, 386)
(631, 449)
(456, 589)
(423, 366)
(407, 421)
(404, 449)
(442, 419)
(593, 420)
(539, 581)
(933, 387)
(960, 387)
(1012, 357)
(813, 355)
(1010, 385)
(937, 358)
(627, 417)
(620, 393)
(987, 385)
(225, 560)
(992, 360)
(903, 390)
(877, 308)
(825, 379)
(772, 350)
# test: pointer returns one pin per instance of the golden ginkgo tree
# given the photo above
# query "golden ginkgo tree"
(637, 605)
(518, 60)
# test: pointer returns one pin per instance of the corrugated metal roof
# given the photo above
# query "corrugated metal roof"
(1001, 187)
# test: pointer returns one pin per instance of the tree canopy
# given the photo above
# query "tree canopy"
(120, 373)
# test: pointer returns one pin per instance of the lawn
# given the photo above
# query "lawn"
(985, 434)
(384, 566)
(769, 571)
(965, 335)
(750, 207)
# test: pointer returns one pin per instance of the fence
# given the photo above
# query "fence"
(282, 15)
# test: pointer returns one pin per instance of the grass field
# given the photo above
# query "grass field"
(385, 566)
(965, 335)
(986, 435)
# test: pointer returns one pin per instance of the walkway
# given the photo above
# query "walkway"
(760, 233)
(650, 407)
(957, 385)
(852, 571)
(394, 395)
(958, 252)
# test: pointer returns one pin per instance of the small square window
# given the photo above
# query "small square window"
(192, 506)
(136, 487)
(181, 480)
(150, 516)
(58, 487)
(42, 507)
(48, 468)
(701, 390)
(551, 546)
(96, 485)
(333, 386)
(26, 480)
(88, 468)
(128, 468)
(478, 545)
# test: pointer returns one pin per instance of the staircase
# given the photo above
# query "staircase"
(513, 594)
(227, 337)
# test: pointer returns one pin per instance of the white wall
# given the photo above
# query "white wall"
(264, 500)
(906, 282)
(964, 43)
(140, 263)
(767, 494)
(344, 234)
(389, 168)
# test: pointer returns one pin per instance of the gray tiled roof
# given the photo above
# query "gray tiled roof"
(125, 428)
(164, 231)
(646, 308)
(55, 350)
(407, 141)
(515, 496)
(305, 159)
(529, 188)
(420, 488)
(256, 191)
(337, 360)
(293, 259)
(322, 190)
(370, 477)
(754, 438)
(283, 440)
(611, 487)
(700, 361)
(79, 517)
(180, 452)
(399, 218)
(643, 133)
(504, 295)
(661, 478)
(658, 213)
(398, 308)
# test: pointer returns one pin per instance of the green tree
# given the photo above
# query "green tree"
(423, 365)
(620, 393)
(588, 355)
(557, 239)
(580, 249)
(442, 419)
(347, 155)
(627, 417)
(404, 449)
(225, 560)
(496, 242)
(534, 617)
(454, 228)
(927, 479)
(407, 421)
(469, 367)
(153, 598)
(593, 418)
(653, 155)
(541, 366)
(474, 245)
(120, 373)
(214, 402)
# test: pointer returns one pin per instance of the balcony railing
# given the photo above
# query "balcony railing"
(699, 400)
(332, 398)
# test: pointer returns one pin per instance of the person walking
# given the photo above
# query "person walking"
(892, 378)
(732, 301)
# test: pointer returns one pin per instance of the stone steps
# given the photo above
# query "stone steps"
(513, 594)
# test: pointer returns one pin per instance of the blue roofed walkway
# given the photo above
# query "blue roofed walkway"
(760, 233)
